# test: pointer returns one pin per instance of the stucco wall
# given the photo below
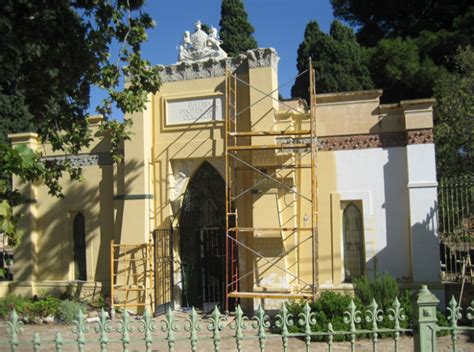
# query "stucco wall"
(378, 177)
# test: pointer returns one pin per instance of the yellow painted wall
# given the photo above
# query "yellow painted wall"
(44, 259)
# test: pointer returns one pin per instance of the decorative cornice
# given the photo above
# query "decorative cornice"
(266, 57)
(376, 140)
(81, 160)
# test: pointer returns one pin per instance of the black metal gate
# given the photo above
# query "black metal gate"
(202, 239)
(163, 248)
(213, 266)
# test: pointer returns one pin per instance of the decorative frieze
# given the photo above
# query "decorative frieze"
(82, 160)
(375, 140)
(379, 140)
(420, 136)
(183, 71)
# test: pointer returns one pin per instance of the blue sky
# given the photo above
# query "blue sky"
(278, 23)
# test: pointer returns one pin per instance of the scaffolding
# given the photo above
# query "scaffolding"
(239, 151)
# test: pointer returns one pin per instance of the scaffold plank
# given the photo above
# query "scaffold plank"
(269, 295)
(270, 133)
(269, 146)
(263, 229)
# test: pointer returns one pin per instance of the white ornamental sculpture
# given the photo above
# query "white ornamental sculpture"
(200, 46)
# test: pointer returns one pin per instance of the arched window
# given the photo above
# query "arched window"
(79, 238)
(354, 253)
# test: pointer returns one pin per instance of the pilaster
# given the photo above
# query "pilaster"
(25, 255)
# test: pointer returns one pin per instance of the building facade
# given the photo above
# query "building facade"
(376, 195)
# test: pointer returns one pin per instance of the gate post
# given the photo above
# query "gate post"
(425, 320)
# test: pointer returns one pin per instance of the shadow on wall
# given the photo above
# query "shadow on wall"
(395, 257)
(396, 254)
(52, 257)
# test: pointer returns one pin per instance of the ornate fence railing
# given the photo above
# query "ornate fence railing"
(239, 333)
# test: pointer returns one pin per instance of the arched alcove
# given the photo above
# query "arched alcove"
(354, 251)
(79, 242)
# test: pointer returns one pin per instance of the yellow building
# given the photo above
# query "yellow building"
(369, 177)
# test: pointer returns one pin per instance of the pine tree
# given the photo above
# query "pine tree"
(340, 62)
(236, 31)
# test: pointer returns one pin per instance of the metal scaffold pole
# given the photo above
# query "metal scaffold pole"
(314, 178)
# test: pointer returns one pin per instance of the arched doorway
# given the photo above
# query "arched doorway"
(202, 239)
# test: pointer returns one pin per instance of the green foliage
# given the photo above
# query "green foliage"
(52, 53)
(67, 310)
(383, 289)
(398, 67)
(236, 31)
(64, 310)
(413, 41)
(392, 18)
(44, 307)
(340, 62)
(454, 117)
(10, 302)
(331, 306)
(328, 308)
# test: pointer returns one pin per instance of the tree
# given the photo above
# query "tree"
(413, 44)
(454, 117)
(236, 31)
(52, 53)
(392, 18)
(414, 41)
(340, 62)
(398, 67)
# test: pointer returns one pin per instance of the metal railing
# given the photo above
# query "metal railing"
(239, 330)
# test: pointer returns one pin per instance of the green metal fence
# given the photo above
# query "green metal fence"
(167, 334)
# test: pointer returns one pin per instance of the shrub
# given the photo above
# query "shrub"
(383, 288)
(11, 301)
(328, 308)
(67, 310)
(44, 307)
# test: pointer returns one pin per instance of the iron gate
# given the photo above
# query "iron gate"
(456, 224)
(163, 248)
(213, 266)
